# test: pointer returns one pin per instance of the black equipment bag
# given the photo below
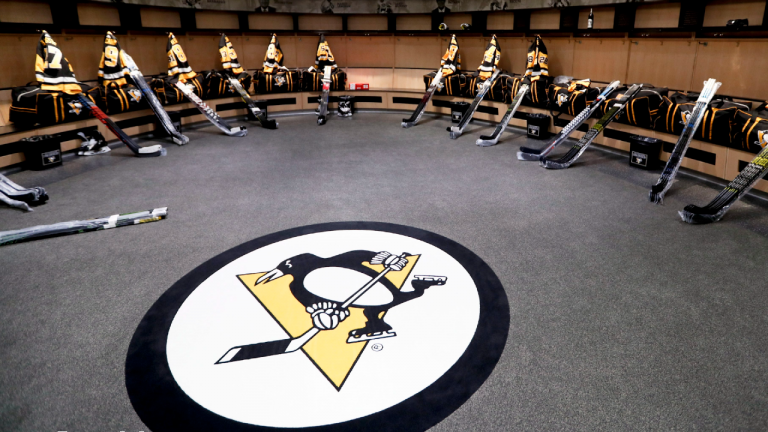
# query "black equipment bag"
(538, 95)
(498, 91)
(453, 85)
(573, 97)
(124, 98)
(30, 105)
(216, 83)
(280, 82)
(717, 125)
(643, 110)
(750, 131)
(167, 92)
(313, 81)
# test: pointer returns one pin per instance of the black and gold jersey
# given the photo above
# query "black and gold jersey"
(451, 61)
(178, 67)
(538, 60)
(228, 56)
(52, 69)
(112, 68)
(491, 58)
(323, 56)
(273, 60)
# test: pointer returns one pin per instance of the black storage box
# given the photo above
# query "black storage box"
(346, 106)
(457, 110)
(42, 152)
(644, 152)
(538, 126)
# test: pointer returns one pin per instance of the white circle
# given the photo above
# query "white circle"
(288, 390)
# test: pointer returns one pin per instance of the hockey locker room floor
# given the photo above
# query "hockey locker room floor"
(505, 297)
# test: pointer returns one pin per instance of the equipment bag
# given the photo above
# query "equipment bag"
(31, 105)
(498, 91)
(538, 95)
(123, 98)
(750, 132)
(280, 82)
(452, 85)
(643, 110)
(168, 93)
(572, 97)
(717, 124)
(216, 83)
(313, 81)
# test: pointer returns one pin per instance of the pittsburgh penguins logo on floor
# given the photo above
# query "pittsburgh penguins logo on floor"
(342, 326)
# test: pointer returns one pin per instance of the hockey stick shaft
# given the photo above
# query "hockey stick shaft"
(260, 115)
(158, 109)
(456, 131)
(322, 117)
(75, 227)
(209, 113)
(265, 349)
(151, 151)
(486, 140)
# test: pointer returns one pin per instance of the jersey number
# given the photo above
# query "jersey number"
(111, 54)
(179, 53)
(55, 63)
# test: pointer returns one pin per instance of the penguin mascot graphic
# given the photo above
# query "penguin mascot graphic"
(323, 298)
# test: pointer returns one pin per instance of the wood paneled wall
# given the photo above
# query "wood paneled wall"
(160, 18)
(545, 19)
(216, 20)
(98, 14)
(260, 21)
(366, 22)
(662, 15)
(320, 22)
(718, 12)
(413, 22)
(603, 17)
(680, 64)
(32, 12)
(501, 21)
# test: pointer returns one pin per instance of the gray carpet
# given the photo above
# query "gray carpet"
(622, 316)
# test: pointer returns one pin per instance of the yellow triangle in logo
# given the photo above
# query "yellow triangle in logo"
(329, 350)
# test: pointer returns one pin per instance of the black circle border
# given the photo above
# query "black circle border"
(163, 406)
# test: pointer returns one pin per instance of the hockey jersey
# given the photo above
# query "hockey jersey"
(538, 60)
(491, 58)
(113, 67)
(323, 57)
(178, 67)
(229, 57)
(451, 61)
(52, 70)
(273, 60)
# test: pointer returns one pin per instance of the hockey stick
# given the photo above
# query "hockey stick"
(154, 103)
(209, 113)
(716, 209)
(529, 154)
(661, 187)
(489, 140)
(260, 115)
(416, 116)
(323, 114)
(456, 131)
(15, 203)
(79, 226)
(265, 349)
(151, 151)
(592, 133)
(13, 191)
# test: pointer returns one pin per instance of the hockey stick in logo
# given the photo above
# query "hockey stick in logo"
(266, 349)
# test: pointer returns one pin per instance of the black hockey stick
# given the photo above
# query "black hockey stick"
(154, 103)
(456, 131)
(416, 116)
(579, 148)
(151, 151)
(656, 195)
(80, 226)
(260, 115)
(322, 116)
(531, 154)
(715, 210)
(265, 349)
(489, 140)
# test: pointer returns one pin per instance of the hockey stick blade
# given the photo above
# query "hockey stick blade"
(422, 106)
(493, 139)
(528, 154)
